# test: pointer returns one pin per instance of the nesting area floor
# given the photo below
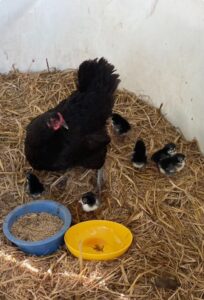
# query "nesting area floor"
(165, 214)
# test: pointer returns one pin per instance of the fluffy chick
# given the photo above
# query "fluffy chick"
(34, 186)
(139, 158)
(173, 164)
(89, 202)
(120, 124)
(167, 151)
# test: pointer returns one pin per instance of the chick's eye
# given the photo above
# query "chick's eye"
(84, 200)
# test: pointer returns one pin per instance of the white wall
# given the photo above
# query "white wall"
(157, 46)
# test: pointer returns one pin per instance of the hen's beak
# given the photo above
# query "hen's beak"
(65, 126)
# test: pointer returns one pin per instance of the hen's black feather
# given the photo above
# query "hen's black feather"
(86, 112)
(97, 75)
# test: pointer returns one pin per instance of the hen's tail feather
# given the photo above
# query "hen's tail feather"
(97, 75)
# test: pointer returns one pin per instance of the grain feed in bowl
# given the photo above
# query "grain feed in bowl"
(36, 226)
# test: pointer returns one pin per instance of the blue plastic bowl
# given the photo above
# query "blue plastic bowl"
(42, 247)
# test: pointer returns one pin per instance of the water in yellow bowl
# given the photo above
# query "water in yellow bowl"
(98, 239)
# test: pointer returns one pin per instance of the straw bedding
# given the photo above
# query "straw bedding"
(165, 215)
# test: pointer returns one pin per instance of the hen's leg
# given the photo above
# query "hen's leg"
(100, 179)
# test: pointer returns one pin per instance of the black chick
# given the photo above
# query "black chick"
(167, 151)
(89, 202)
(35, 187)
(120, 124)
(173, 164)
(139, 158)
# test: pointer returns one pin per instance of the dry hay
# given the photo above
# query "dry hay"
(166, 215)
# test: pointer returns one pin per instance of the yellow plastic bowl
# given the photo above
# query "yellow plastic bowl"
(98, 240)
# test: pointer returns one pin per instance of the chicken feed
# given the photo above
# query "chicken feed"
(36, 226)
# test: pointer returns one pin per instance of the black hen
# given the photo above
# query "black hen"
(74, 133)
